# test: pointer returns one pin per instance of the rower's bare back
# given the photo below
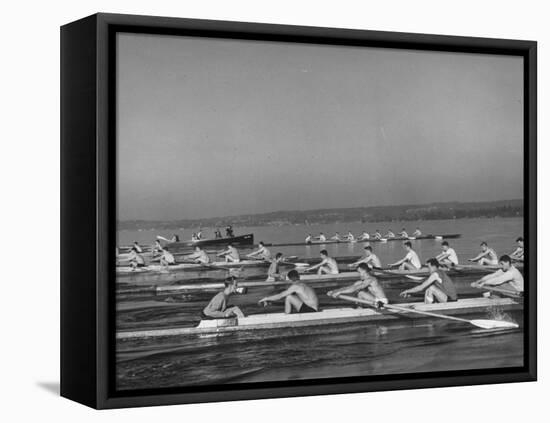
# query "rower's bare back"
(306, 295)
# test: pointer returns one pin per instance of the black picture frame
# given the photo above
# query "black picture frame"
(88, 214)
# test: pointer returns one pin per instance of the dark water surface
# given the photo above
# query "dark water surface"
(400, 346)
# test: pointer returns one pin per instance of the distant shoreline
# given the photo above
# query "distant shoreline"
(401, 213)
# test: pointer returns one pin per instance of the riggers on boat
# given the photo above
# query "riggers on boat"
(221, 265)
(344, 241)
(328, 316)
(469, 270)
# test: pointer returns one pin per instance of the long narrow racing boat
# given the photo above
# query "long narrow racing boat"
(397, 238)
(329, 316)
(314, 279)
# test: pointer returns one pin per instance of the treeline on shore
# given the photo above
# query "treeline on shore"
(434, 211)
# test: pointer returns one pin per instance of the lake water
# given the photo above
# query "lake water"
(397, 347)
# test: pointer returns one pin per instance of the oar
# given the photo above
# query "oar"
(480, 323)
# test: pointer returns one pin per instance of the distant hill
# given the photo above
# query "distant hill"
(433, 211)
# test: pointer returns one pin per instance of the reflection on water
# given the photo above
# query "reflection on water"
(403, 346)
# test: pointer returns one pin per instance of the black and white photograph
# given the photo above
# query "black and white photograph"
(292, 211)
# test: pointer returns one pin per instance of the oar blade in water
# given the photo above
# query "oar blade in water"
(494, 324)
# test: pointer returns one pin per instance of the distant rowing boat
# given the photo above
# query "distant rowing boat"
(237, 241)
(332, 241)
(221, 265)
(322, 318)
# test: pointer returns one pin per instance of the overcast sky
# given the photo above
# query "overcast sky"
(210, 127)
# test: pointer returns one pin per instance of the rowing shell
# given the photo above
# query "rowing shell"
(324, 317)
(312, 279)
(222, 265)
(397, 238)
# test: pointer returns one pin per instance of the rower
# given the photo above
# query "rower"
(364, 236)
(229, 231)
(448, 256)
(199, 256)
(322, 237)
(336, 237)
(389, 234)
(273, 271)
(231, 254)
(194, 237)
(218, 307)
(262, 252)
(350, 237)
(327, 266)
(508, 277)
(367, 287)
(377, 234)
(157, 247)
(166, 258)
(417, 232)
(438, 287)
(487, 257)
(308, 239)
(370, 259)
(410, 261)
(217, 233)
(403, 233)
(298, 296)
(199, 234)
(137, 247)
(519, 252)
(135, 259)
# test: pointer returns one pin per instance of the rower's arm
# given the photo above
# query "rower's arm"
(210, 310)
(357, 286)
(500, 279)
(480, 256)
(397, 263)
(279, 296)
(316, 266)
(431, 279)
(442, 256)
(224, 252)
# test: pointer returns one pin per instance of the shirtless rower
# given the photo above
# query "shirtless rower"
(135, 259)
(403, 233)
(448, 256)
(367, 288)
(327, 266)
(487, 257)
(231, 254)
(218, 307)
(336, 237)
(298, 296)
(377, 234)
(194, 237)
(519, 252)
(199, 256)
(261, 253)
(507, 277)
(438, 287)
(410, 261)
(389, 234)
(137, 247)
(417, 232)
(350, 237)
(199, 234)
(364, 236)
(370, 259)
(273, 273)
(308, 239)
(322, 237)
